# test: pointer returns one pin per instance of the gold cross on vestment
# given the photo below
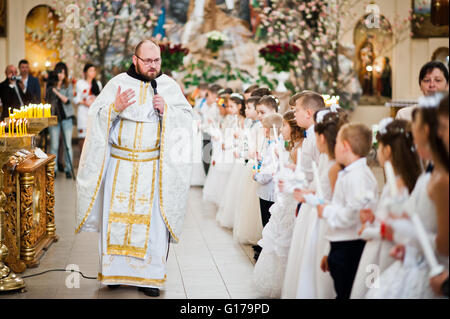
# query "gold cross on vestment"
(121, 197)
(143, 199)
(133, 155)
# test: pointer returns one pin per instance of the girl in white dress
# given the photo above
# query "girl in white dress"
(312, 282)
(222, 159)
(198, 172)
(247, 225)
(408, 277)
(225, 215)
(395, 144)
(86, 91)
(270, 267)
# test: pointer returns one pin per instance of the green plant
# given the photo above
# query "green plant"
(264, 80)
(215, 40)
(200, 72)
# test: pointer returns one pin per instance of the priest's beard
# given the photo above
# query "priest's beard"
(151, 74)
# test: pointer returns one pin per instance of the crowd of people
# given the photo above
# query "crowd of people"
(298, 188)
(69, 99)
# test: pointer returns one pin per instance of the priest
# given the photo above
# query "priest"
(134, 173)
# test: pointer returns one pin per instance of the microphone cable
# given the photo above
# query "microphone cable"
(50, 270)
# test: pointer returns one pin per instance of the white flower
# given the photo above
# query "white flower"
(217, 36)
(383, 124)
(430, 101)
(321, 114)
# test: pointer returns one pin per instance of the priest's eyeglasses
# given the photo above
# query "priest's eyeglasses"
(149, 61)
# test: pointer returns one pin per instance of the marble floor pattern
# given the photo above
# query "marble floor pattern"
(206, 264)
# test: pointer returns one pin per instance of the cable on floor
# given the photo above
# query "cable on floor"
(44, 272)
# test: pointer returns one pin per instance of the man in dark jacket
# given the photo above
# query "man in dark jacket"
(8, 93)
(31, 83)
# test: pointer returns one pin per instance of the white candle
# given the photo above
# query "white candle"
(299, 160)
(275, 133)
(319, 191)
(390, 178)
(435, 267)
(274, 162)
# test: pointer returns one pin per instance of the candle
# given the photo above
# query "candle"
(274, 158)
(298, 165)
(275, 134)
(390, 178)
(435, 267)
(25, 126)
(319, 191)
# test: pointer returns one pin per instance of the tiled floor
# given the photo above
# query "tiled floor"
(205, 264)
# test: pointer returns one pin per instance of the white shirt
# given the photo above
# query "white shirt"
(210, 113)
(309, 154)
(342, 215)
(266, 189)
(25, 83)
(405, 113)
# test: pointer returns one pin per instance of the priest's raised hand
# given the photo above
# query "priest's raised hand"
(124, 99)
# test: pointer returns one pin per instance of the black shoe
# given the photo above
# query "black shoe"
(152, 292)
(68, 175)
(257, 248)
(113, 286)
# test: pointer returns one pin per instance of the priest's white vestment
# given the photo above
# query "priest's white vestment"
(133, 179)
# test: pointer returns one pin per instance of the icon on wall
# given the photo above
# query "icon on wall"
(430, 18)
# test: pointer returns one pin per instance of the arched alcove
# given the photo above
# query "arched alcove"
(41, 53)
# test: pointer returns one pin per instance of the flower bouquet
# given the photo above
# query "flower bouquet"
(215, 40)
(172, 56)
(280, 55)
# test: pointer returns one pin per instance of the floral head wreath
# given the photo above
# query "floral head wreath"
(430, 101)
(276, 99)
(321, 114)
(237, 95)
(382, 129)
(383, 124)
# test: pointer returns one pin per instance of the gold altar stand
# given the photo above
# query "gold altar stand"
(31, 231)
(27, 201)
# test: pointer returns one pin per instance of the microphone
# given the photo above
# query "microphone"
(154, 85)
